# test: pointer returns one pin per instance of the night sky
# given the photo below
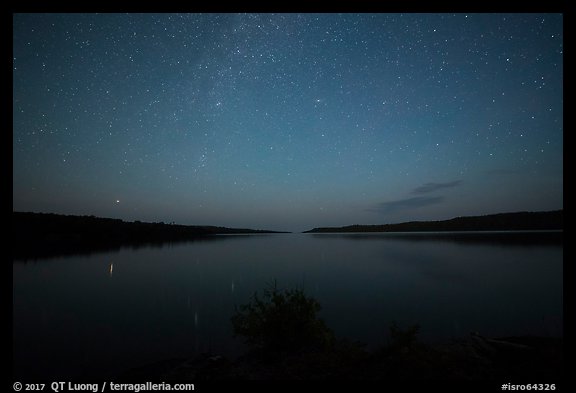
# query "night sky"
(287, 121)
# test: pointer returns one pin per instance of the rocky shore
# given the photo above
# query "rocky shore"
(474, 358)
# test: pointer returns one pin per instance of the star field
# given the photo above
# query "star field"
(287, 121)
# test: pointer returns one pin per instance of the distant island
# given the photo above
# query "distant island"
(39, 235)
(521, 221)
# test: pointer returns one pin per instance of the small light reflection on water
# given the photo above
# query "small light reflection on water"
(450, 285)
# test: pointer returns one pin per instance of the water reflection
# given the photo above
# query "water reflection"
(504, 238)
(92, 324)
(41, 252)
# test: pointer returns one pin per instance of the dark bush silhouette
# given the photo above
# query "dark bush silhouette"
(292, 343)
(403, 339)
(282, 322)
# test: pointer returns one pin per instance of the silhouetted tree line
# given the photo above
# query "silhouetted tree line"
(37, 235)
(521, 221)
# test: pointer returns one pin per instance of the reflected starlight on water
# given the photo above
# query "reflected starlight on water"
(449, 284)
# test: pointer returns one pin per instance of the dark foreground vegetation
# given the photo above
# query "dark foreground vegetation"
(522, 221)
(38, 235)
(289, 342)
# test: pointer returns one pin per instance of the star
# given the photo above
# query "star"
(187, 108)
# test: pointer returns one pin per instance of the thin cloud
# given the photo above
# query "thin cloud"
(431, 187)
(406, 204)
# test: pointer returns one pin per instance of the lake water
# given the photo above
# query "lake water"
(99, 315)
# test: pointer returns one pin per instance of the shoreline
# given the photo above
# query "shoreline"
(472, 358)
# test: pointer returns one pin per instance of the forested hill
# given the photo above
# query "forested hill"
(40, 234)
(551, 220)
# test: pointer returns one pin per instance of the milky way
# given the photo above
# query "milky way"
(287, 121)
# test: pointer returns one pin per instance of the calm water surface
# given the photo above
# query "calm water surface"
(97, 316)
